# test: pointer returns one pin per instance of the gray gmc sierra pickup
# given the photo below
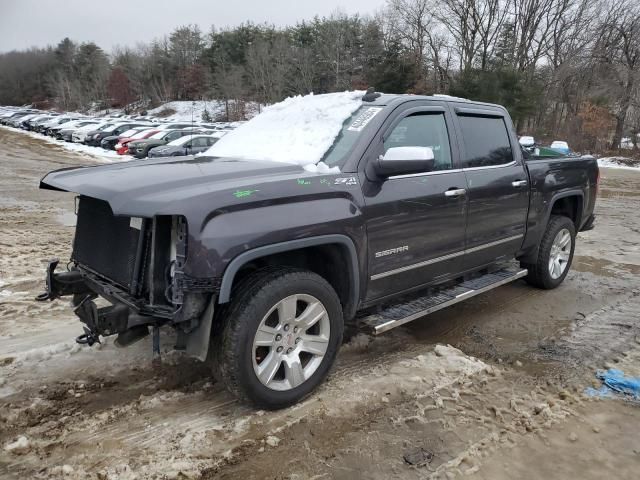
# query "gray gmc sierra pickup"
(258, 266)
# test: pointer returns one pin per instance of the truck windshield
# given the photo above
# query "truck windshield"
(351, 131)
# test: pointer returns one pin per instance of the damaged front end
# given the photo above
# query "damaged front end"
(136, 265)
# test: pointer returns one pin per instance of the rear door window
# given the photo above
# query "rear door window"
(486, 141)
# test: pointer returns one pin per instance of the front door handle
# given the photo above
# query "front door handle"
(455, 192)
(519, 183)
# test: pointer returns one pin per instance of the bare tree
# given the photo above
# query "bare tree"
(618, 51)
(474, 26)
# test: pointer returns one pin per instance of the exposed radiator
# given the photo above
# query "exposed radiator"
(104, 243)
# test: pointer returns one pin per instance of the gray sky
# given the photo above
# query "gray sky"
(27, 23)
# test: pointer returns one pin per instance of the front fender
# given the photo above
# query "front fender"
(230, 238)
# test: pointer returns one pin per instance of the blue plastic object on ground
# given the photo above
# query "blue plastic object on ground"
(616, 381)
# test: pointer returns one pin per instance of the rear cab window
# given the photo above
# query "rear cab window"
(486, 141)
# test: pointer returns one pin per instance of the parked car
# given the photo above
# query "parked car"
(16, 121)
(560, 146)
(65, 133)
(122, 147)
(112, 132)
(30, 122)
(429, 203)
(71, 124)
(109, 142)
(56, 122)
(140, 148)
(187, 145)
(36, 125)
(16, 116)
(80, 134)
(108, 123)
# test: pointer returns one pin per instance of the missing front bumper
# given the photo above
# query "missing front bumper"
(127, 316)
(117, 318)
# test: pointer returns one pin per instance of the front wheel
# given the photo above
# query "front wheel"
(555, 254)
(279, 337)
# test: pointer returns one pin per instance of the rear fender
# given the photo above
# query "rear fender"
(531, 254)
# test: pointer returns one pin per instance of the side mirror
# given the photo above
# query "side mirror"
(404, 161)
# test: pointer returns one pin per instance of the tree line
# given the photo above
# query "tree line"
(565, 69)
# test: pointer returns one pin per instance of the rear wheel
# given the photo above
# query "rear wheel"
(279, 337)
(555, 254)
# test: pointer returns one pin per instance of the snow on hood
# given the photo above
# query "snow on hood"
(297, 130)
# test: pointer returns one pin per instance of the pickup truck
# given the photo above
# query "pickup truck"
(258, 265)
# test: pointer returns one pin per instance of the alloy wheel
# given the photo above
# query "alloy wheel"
(290, 342)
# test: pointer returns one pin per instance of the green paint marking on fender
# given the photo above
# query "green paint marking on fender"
(243, 193)
(302, 181)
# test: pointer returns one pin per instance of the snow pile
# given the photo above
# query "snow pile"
(187, 111)
(19, 447)
(297, 130)
(619, 162)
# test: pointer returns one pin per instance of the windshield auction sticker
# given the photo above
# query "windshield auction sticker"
(365, 117)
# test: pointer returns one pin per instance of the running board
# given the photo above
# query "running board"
(397, 314)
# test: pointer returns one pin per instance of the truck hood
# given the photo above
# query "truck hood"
(159, 187)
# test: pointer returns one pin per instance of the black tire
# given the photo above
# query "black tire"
(232, 354)
(539, 273)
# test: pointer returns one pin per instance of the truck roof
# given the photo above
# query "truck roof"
(385, 99)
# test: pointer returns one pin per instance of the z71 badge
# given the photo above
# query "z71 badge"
(346, 181)
(392, 251)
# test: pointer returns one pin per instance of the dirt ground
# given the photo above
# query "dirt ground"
(491, 388)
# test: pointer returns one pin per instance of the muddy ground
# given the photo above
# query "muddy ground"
(491, 388)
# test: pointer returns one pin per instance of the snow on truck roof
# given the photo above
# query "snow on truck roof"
(297, 130)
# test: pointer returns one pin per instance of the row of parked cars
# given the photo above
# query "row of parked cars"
(139, 136)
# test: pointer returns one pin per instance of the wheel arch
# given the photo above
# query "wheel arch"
(569, 204)
(350, 298)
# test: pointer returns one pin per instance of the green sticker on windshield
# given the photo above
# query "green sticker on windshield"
(243, 193)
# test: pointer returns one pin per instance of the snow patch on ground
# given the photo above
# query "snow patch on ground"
(99, 153)
(297, 130)
(623, 163)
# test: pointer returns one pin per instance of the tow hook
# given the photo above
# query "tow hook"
(48, 293)
(88, 313)
(61, 284)
(87, 338)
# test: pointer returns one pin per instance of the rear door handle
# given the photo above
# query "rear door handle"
(519, 183)
(455, 192)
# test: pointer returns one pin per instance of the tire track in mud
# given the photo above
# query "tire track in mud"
(593, 340)
(460, 425)
(157, 422)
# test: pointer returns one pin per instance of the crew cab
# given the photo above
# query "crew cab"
(404, 205)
